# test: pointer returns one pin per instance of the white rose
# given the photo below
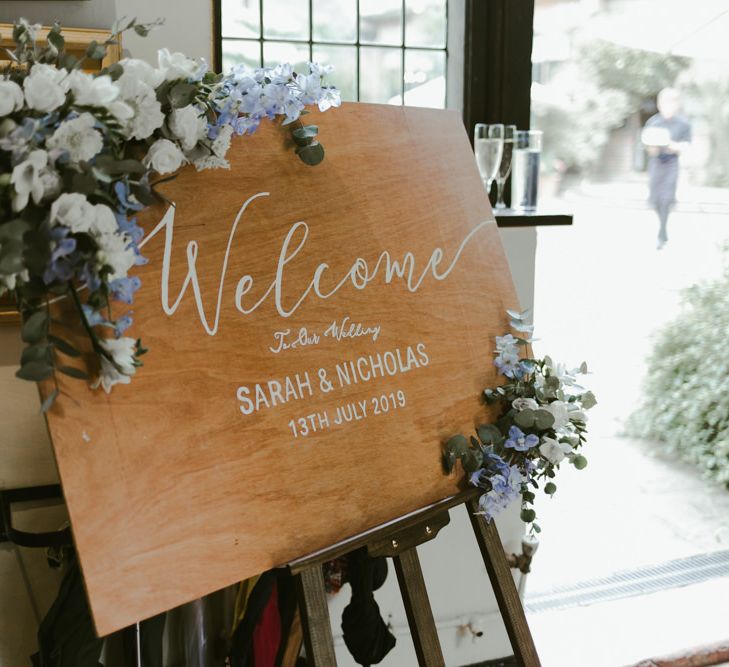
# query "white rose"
(78, 138)
(559, 412)
(554, 451)
(115, 252)
(524, 403)
(27, 179)
(104, 220)
(74, 211)
(176, 65)
(109, 376)
(188, 125)
(141, 71)
(45, 87)
(11, 97)
(146, 110)
(164, 156)
(92, 91)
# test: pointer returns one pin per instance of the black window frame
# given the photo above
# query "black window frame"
(218, 38)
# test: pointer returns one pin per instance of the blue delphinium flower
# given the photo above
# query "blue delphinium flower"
(504, 489)
(519, 441)
(123, 289)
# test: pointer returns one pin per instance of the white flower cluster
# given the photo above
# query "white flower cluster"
(67, 139)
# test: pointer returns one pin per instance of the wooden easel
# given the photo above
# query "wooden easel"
(398, 539)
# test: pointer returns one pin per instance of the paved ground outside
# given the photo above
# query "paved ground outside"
(602, 289)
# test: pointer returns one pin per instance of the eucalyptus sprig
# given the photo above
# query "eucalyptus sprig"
(541, 423)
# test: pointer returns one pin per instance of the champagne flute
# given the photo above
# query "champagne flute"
(505, 164)
(488, 144)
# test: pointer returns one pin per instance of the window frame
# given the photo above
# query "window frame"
(454, 31)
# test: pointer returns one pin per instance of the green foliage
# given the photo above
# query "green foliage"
(637, 73)
(540, 422)
(708, 90)
(686, 397)
(606, 83)
(309, 150)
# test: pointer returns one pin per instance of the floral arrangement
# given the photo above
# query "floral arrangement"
(80, 156)
(541, 424)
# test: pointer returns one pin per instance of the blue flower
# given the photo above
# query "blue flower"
(519, 441)
(121, 188)
(123, 289)
(122, 324)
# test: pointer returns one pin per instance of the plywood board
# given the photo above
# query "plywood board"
(226, 455)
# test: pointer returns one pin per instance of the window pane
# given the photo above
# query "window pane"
(235, 52)
(425, 81)
(380, 75)
(344, 59)
(241, 18)
(286, 18)
(380, 22)
(425, 23)
(275, 53)
(335, 20)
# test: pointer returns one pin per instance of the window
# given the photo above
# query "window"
(387, 51)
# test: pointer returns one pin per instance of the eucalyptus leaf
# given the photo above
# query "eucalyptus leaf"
(11, 257)
(528, 515)
(472, 460)
(55, 38)
(13, 230)
(489, 434)
(458, 444)
(579, 462)
(35, 327)
(550, 488)
(588, 400)
(525, 419)
(95, 51)
(182, 94)
(37, 352)
(35, 371)
(312, 154)
(543, 419)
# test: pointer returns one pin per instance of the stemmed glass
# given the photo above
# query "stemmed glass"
(488, 144)
(505, 164)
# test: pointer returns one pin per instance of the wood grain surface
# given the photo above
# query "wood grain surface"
(173, 491)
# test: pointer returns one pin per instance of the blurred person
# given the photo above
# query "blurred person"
(665, 135)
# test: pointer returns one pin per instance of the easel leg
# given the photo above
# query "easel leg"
(492, 552)
(315, 617)
(417, 608)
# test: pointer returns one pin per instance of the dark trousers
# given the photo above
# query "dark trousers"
(663, 208)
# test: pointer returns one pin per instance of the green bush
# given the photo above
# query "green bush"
(686, 398)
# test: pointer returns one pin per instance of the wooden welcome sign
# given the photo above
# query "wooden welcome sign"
(315, 335)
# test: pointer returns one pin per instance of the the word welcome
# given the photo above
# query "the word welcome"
(360, 274)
